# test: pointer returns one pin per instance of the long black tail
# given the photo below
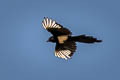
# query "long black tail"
(85, 39)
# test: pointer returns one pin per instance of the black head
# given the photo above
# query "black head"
(51, 39)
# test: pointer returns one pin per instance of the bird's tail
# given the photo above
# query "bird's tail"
(85, 39)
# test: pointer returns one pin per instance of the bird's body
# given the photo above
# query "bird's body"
(65, 42)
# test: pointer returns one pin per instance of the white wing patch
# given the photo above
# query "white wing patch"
(49, 23)
(63, 54)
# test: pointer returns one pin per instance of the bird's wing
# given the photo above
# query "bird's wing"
(55, 28)
(65, 50)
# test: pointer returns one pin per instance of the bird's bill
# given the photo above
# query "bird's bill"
(47, 41)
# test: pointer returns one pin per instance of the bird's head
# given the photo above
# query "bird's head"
(51, 39)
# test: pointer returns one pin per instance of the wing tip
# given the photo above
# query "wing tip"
(49, 23)
(59, 54)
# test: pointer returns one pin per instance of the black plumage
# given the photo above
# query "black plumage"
(65, 43)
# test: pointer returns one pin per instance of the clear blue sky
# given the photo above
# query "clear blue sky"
(25, 54)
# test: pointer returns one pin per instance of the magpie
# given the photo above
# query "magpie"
(65, 42)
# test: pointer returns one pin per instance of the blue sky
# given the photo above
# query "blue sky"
(25, 55)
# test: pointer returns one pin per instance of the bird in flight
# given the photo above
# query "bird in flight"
(65, 42)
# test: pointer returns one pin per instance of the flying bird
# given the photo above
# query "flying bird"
(65, 42)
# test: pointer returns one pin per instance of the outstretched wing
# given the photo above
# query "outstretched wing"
(55, 28)
(65, 50)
